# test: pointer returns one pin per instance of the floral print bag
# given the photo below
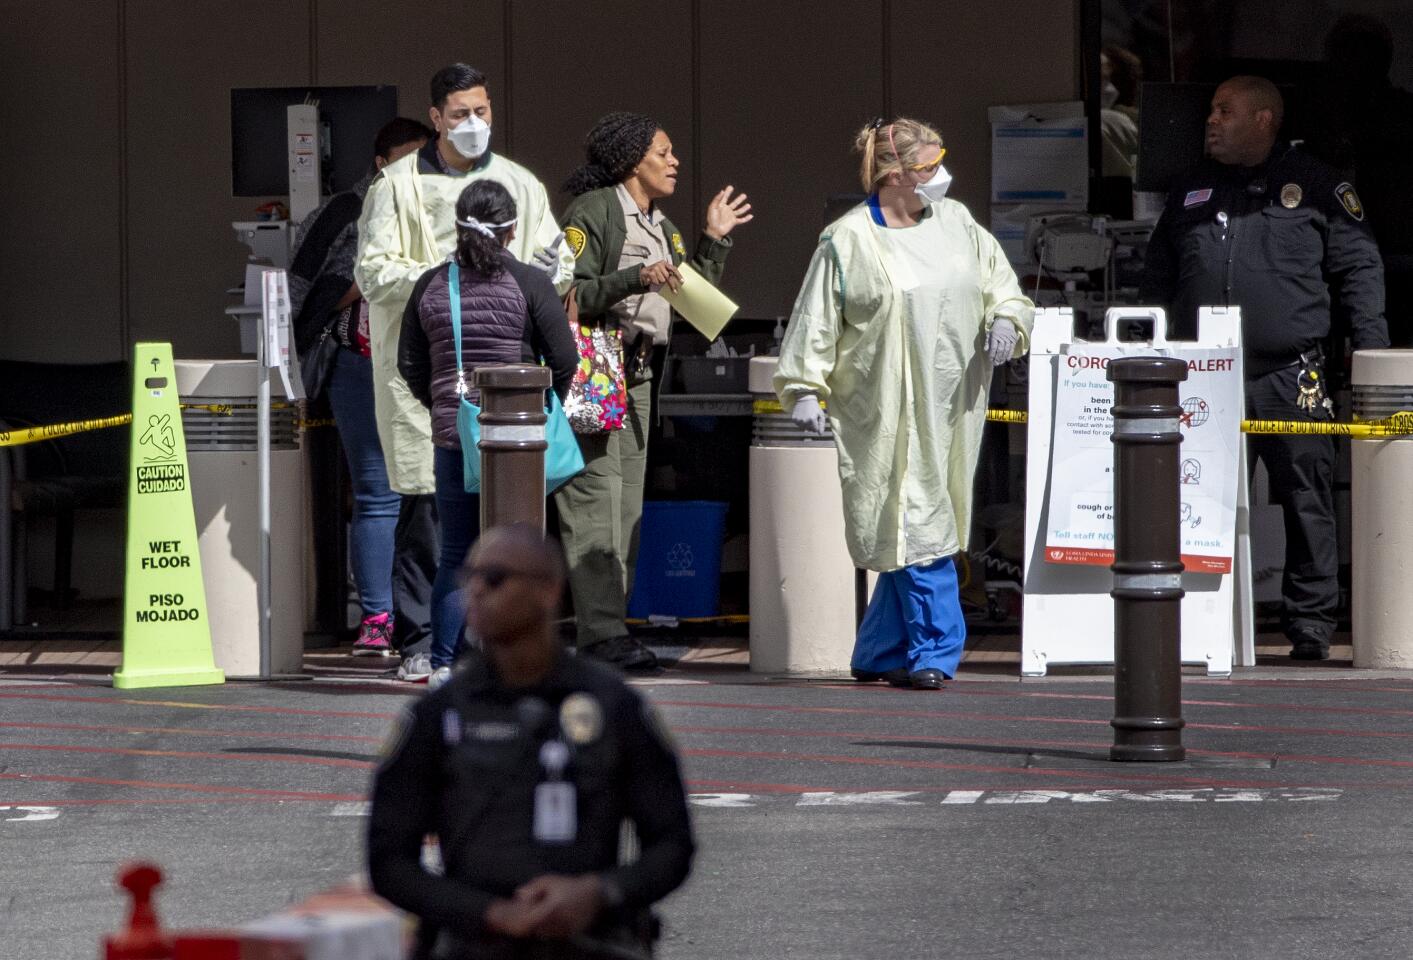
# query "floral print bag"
(598, 396)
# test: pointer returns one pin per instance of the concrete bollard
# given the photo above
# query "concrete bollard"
(1147, 560)
(512, 444)
(1382, 514)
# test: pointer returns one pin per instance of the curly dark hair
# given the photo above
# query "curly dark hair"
(613, 148)
(490, 203)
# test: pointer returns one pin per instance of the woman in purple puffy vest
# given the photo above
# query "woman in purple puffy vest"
(510, 313)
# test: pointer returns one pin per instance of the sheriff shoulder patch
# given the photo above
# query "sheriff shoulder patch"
(1350, 200)
(677, 245)
(576, 239)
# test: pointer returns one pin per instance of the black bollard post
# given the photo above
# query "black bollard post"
(1147, 559)
(512, 444)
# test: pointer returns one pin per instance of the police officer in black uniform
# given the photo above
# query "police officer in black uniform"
(1265, 227)
(525, 766)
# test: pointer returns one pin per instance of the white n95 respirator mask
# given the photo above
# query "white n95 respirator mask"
(470, 137)
(936, 188)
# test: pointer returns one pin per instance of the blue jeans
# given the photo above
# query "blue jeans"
(459, 513)
(375, 504)
(914, 620)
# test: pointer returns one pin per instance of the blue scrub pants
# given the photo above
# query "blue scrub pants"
(914, 621)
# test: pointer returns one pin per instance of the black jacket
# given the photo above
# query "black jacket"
(1276, 240)
(464, 766)
(513, 318)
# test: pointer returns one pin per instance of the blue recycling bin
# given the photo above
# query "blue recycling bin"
(679, 559)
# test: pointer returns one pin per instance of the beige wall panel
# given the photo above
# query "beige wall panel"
(782, 96)
(62, 246)
(182, 60)
(375, 41)
(557, 92)
(949, 69)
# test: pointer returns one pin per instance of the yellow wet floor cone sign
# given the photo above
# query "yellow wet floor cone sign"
(166, 636)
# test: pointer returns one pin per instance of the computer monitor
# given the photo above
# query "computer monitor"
(351, 117)
(1171, 123)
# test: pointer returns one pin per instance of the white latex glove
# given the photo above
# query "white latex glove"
(808, 415)
(1001, 341)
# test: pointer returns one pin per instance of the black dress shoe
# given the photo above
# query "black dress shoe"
(625, 653)
(870, 676)
(1308, 645)
(926, 679)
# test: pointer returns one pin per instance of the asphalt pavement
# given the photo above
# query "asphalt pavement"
(835, 820)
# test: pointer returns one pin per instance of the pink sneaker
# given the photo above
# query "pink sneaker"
(375, 637)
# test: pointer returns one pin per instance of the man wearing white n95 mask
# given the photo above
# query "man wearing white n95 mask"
(409, 226)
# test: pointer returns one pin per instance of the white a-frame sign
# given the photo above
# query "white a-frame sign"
(1069, 491)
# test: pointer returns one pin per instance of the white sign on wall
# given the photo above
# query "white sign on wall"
(1080, 527)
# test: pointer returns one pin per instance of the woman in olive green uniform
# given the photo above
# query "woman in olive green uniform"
(625, 250)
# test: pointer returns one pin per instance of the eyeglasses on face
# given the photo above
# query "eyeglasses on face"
(930, 165)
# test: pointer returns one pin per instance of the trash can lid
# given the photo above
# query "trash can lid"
(1392, 368)
(224, 379)
(760, 375)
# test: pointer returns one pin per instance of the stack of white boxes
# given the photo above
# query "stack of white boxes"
(1039, 164)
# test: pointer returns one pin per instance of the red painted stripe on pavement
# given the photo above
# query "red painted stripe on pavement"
(194, 787)
(191, 755)
(193, 732)
(193, 705)
(961, 715)
(166, 801)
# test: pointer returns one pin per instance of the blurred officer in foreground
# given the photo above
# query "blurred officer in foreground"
(1263, 226)
(525, 766)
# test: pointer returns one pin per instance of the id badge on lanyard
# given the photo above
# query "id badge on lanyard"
(556, 818)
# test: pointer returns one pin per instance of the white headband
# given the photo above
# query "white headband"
(486, 229)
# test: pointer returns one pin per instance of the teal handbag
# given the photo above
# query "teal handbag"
(563, 458)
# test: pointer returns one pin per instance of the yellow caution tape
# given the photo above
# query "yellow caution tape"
(53, 431)
(1398, 425)
(15, 438)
